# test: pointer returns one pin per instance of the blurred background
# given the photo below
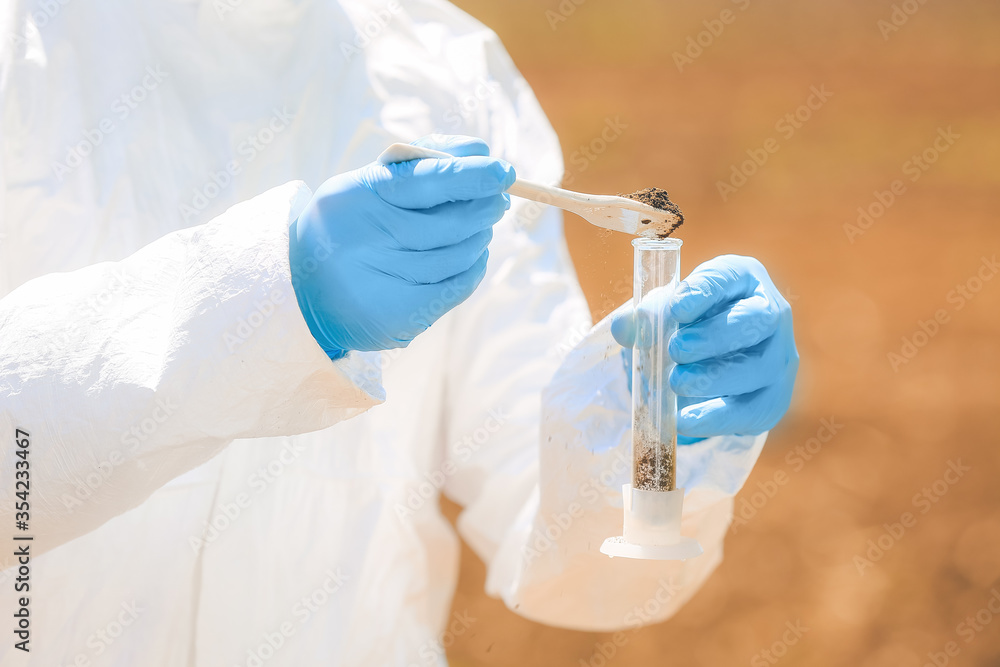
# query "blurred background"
(896, 315)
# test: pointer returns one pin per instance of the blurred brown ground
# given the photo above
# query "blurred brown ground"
(853, 304)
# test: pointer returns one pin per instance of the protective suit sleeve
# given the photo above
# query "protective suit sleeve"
(128, 374)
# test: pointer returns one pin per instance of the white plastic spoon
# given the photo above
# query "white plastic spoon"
(619, 214)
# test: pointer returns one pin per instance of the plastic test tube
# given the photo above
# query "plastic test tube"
(652, 503)
(654, 405)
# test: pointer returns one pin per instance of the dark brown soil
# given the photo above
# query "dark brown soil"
(658, 198)
(653, 464)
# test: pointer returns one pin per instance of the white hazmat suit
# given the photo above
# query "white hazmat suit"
(206, 487)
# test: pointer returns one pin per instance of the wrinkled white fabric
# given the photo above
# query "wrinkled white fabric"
(207, 488)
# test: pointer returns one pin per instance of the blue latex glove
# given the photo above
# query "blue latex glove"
(382, 252)
(734, 349)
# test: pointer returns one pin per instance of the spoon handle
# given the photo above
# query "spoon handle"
(544, 194)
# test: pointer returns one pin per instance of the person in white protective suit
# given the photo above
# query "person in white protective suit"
(218, 475)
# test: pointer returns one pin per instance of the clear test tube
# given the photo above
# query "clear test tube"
(654, 406)
(652, 503)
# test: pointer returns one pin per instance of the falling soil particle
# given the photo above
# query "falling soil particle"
(658, 198)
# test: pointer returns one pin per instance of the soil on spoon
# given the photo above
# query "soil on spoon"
(658, 198)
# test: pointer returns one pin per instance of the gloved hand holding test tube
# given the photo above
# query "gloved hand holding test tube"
(715, 354)
(652, 503)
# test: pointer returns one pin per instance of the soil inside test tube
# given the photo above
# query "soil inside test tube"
(652, 459)
(658, 198)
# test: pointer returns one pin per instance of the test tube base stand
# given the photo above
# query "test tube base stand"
(652, 527)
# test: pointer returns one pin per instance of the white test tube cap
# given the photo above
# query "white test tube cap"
(652, 528)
